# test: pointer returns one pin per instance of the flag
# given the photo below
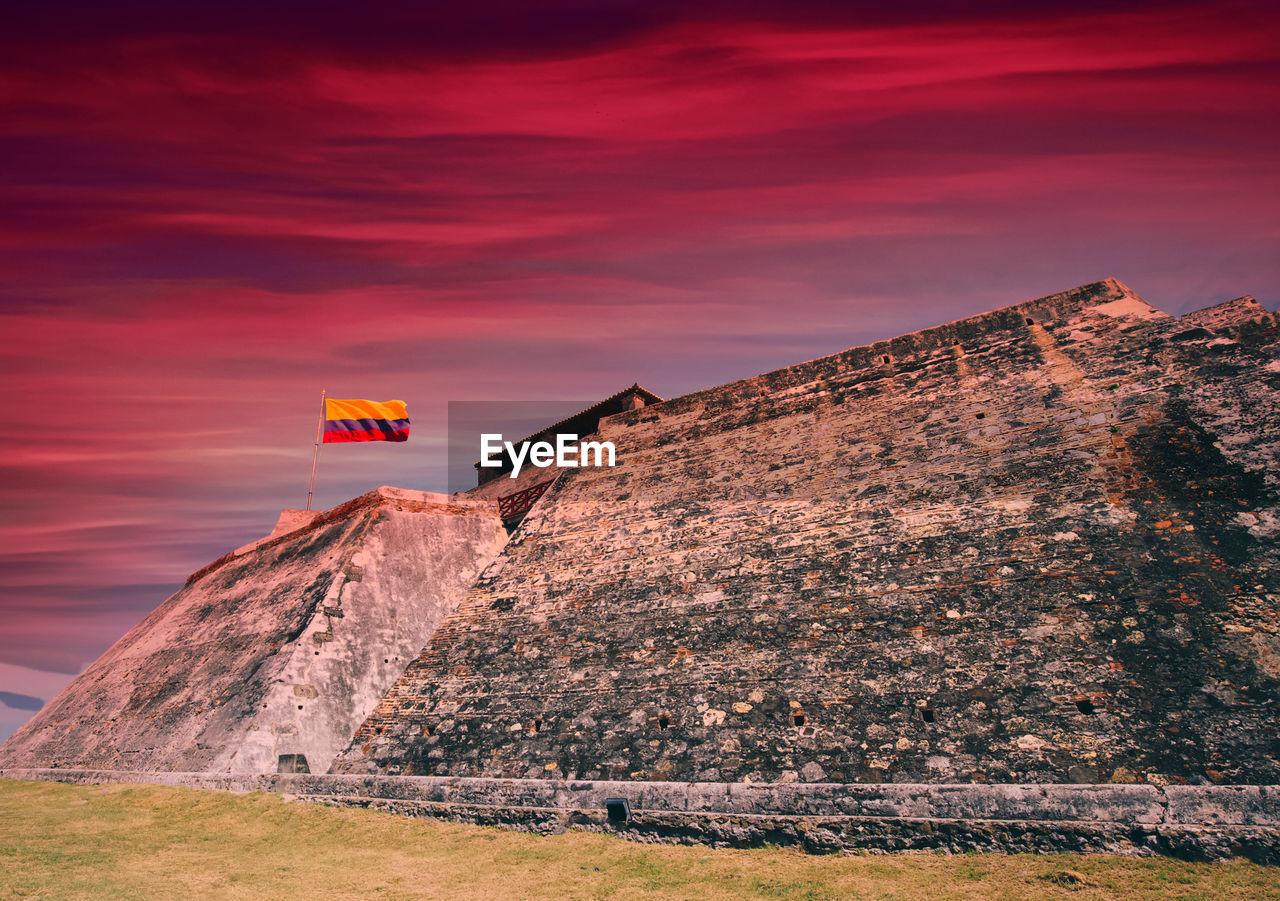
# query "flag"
(365, 420)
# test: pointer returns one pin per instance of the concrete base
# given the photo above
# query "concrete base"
(1190, 822)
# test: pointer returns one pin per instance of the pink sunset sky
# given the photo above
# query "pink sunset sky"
(214, 210)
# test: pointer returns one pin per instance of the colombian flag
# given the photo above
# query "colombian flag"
(365, 420)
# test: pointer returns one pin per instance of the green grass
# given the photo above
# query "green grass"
(141, 841)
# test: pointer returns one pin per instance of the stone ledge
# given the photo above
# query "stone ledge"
(1195, 822)
(1233, 805)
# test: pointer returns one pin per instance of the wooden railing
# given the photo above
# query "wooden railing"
(518, 504)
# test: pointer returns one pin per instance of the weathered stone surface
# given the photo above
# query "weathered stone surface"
(1235, 805)
(1035, 546)
(282, 649)
(288, 521)
(1225, 315)
(1204, 823)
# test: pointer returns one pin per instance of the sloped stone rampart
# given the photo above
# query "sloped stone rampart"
(1033, 546)
(278, 651)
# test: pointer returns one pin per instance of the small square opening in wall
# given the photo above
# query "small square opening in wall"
(1084, 705)
(982, 415)
(537, 725)
(664, 721)
(1030, 321)
(797, 718)
(927, 714)
(618, 809)
(292, 763)
(885, 358)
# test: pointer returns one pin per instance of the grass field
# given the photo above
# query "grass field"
(137, 841)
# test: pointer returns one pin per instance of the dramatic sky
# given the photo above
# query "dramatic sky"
(211, 211)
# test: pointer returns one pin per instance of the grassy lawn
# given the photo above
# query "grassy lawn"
(132, 841)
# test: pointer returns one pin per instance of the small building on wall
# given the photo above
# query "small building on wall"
(579, 425)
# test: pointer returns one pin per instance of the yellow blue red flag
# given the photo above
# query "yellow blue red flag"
(365, 420)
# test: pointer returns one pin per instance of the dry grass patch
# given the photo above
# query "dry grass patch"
(141, 841)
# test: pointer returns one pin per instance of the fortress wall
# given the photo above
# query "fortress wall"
(282, 649)
(1014, 552)
(1226, 314)
(1193, 822)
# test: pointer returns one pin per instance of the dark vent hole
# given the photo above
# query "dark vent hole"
(798, 719)
(618, 809)
(1030, 321)
(1086, 706)
(982, 415)
(664, 721)
(926, 714)
(537, 725)
(886, 359)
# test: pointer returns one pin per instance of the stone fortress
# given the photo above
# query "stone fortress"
(1009, 583)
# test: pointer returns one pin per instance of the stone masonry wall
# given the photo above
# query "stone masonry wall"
(282, 649)
(1225, 315)
(1035, 546)
(1194, 822)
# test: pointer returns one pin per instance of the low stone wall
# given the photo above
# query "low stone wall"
(1192, 822)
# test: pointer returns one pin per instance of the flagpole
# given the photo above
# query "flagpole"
(315, 457)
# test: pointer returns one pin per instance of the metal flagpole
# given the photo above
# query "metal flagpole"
(315, 457)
